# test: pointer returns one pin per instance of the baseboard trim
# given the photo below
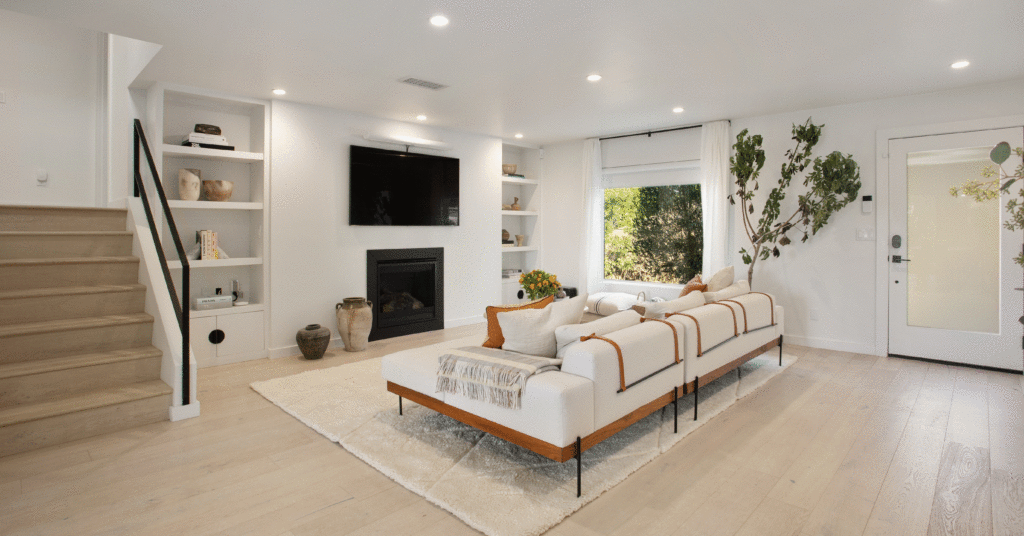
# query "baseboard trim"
(955, 364)
(832, 344)
(459, 322)
(180, 413)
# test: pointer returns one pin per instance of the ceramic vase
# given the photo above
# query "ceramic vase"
(355, 317)
(313, 341)
(188, 184)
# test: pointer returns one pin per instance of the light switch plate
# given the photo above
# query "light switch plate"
(866, 234)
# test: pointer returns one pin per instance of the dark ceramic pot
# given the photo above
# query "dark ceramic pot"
(313, 341)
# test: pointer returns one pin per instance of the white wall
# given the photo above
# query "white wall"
(126, 58)
(832, 274)
(51, 76)
(317, 259)
(562, 213)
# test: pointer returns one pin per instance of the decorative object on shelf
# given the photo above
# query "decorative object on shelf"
(520, 240)
(539, 284)
(355, 317)
(313, 341)
(505, 236)
(218, 190)
(508, 169)
(188, 184)
(506, 207)
(515, 205)
(236, 291)
(213, 130)
(206, 248)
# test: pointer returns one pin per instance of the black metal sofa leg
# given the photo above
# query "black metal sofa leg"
(780, 350)
(696, 393)
(399, 405)
(579, 467)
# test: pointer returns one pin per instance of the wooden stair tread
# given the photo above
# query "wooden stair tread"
(67, 260)
(83, 402)
(45, 208)
(65, 233)
(49, 326)
(68, 291)
(28, 368)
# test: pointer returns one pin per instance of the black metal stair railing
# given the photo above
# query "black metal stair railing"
(180, 306)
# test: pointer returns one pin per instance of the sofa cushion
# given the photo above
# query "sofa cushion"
(721, 279)
(660, 309)
(756, 310)
(494, 337)
(738, 288)
(609, 303)
(416, 368)
(692, 285)
(568, 335)
(532, 331)
(718, 323)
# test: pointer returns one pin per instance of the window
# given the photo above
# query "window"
(653, 233)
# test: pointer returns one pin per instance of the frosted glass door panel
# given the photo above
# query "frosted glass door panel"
(952, 243)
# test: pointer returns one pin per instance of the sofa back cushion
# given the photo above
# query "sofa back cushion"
(738, 288)
(660, 309)
(495, 339)
(721, 279)
(569, 335)
(532, 331)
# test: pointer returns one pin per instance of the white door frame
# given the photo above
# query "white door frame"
(881, 197)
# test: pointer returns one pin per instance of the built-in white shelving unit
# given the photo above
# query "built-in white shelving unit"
(241, 222)
(526, 222)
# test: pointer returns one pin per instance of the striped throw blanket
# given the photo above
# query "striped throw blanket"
(490, 375)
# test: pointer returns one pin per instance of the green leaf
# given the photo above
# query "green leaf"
(1000, 153)
(1007, 184)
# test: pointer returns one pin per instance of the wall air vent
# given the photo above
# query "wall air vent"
(423, 83)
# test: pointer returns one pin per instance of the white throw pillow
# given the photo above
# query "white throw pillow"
(738, 288)
(567, 336)
(720, 280)
(660, 309)
(532, 331)
(609, 303)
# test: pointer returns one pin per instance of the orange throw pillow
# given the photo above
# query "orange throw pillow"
(692, 285)
(494, 337)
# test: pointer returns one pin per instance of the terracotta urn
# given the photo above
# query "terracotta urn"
(188, 184)
(355, 317)
(313, 341)
(515, 205)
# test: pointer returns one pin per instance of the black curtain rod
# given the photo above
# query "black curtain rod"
(650, 132)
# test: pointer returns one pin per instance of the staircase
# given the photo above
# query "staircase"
(76, 353)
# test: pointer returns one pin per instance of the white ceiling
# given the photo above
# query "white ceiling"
(520, 66)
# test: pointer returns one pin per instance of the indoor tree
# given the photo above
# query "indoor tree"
(992, 189)
(832, 183)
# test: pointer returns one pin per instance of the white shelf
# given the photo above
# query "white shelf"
(520, 213)
(513, 249)
(214, 205)
(226, 310)
(513, 180)
(183, 151)
(218, 263)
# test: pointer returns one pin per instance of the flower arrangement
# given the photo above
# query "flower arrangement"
(539, 283)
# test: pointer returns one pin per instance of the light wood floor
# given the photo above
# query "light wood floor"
(837, 444)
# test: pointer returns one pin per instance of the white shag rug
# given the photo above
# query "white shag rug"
(493, 486)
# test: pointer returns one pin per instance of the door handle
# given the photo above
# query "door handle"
(896, 259)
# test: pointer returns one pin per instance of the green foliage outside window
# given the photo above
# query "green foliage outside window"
(653, 234)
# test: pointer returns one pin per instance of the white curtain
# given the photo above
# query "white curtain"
(715, 187)
(592, 260)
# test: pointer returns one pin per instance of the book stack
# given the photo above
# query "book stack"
(208, 249)
(511, 272)
(210, 138)
(513, 175)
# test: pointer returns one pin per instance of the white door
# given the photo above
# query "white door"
(952, 279)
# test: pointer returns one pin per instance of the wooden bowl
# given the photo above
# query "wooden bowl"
(218, 190)
(508, 169)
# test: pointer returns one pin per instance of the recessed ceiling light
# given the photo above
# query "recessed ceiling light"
(594, 77)
(677, 110)
(960, 64)
(439, 20)
(279, 92)
(421, 117)
(519, 136)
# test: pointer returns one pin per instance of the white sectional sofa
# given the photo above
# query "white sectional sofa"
(599, 392)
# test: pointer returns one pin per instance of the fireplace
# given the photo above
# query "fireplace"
(406, 287)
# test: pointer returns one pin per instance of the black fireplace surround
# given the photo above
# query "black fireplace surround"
(406, 287)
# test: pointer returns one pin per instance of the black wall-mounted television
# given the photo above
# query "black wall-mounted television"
(401, 188)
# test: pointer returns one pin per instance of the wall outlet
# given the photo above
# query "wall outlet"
(866, 234)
